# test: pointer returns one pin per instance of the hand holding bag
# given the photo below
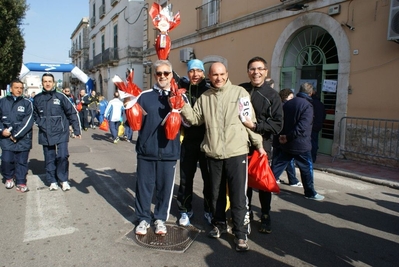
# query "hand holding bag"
(260, 174)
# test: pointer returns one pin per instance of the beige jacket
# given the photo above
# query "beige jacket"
(218, 109)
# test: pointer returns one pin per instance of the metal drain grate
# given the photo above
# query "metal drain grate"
(178, 238)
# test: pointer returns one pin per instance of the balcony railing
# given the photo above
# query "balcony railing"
(109, 56)
(208, 14)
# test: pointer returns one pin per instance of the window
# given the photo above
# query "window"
(116, 35)
(208, 14)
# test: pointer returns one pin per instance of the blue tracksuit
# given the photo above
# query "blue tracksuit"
(156, 158)
(16, 112)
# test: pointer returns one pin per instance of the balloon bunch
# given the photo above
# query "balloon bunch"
(129, 91)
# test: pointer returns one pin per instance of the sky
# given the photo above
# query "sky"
(47, 29)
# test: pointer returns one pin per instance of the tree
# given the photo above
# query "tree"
(12, 43)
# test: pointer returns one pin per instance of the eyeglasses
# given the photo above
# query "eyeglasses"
(165, 73)
(258, 69)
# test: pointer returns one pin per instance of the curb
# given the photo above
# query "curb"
(388, 183)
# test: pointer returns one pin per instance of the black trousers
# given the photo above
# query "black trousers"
(232, 171)
(190, 155)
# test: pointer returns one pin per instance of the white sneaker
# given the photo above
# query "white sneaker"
(10, 183)
(141, 229)
(299, 184)
(53, 187)
(160, 228)
(65, 186)
(185, 218)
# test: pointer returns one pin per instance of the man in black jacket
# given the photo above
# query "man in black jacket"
(191, 152)
(269, 116)
(295, 140)
(53, 113)
(16, 123)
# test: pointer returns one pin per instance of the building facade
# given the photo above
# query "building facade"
(113, 43)
(340, 46)
(79, 55)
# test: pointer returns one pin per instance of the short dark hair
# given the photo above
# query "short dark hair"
(255, 59)
(285, 93)
(16, 81)
(49, 75)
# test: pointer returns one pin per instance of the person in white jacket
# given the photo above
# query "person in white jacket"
(113, 113)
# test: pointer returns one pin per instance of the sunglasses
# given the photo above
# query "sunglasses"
(165, 73)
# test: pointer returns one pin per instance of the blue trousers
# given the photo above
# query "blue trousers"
(305, 165)
(290, 169)
(154, 176)
(56, 162)
(14, 164)
(113, 128)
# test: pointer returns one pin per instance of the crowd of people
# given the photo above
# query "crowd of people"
(214, 136)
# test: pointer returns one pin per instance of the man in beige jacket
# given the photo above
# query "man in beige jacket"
(226, 145)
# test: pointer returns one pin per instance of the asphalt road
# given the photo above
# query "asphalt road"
(356, 225)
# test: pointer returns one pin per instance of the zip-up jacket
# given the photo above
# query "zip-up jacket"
(194, 91)
(53, 113)
(218, 109)
(17, 114)
(152, 143)
(298, 120)
(268, 109)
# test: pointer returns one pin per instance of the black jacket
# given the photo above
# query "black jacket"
(319, 114)
(53, 113)
(193, 93)
(298, 120)
(269, 112)
(17, 114)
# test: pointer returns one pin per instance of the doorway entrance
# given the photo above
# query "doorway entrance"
(312, 57)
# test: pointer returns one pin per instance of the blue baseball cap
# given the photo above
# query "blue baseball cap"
(195, 64)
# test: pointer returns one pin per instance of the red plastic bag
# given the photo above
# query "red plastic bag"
(104, 125)
(260, 174)
(79, 106)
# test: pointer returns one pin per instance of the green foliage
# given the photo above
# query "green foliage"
(12, 44)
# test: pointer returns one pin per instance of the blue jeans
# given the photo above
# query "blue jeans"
(290, 169)
(305, 165)
(128, 131)
(113, 127)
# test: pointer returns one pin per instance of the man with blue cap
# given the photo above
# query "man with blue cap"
(190, 147)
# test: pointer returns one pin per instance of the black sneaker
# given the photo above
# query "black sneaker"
(241, 245)
(265, 224)
(218, 230)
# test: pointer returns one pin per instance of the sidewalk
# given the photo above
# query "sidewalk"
(358, 170)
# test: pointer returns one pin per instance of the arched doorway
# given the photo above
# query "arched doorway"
(315, 47)
(312, 57)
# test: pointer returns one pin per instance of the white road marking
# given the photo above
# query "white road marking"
(46, 212)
